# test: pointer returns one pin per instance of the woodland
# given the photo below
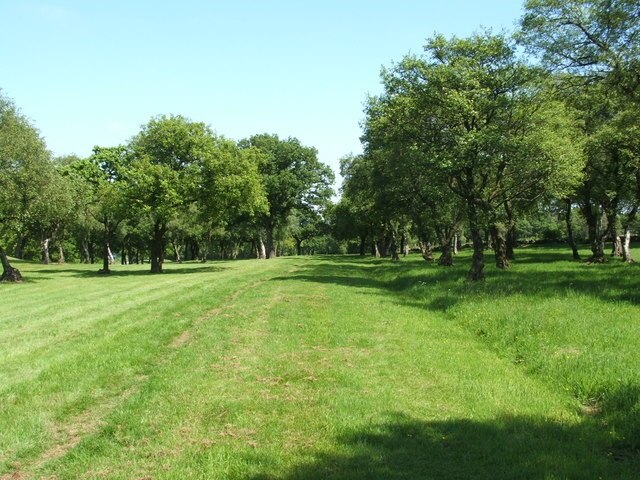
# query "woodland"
(486, 142)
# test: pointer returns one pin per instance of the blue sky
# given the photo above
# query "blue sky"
(91, 72)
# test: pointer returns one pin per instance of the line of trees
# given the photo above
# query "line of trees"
(473, 142)
(475, 135)
(175, 187)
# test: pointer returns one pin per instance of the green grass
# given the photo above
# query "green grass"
(322, 367)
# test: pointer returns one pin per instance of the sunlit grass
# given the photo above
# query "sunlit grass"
(322, 368)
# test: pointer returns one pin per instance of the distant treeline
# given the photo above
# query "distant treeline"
(484, 141)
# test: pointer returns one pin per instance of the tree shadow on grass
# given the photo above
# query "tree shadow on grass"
(439, 288)
(118, 272)
(505, 448)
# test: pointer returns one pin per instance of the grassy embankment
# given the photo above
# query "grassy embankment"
(322, 368)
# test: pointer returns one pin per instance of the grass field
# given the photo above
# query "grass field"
(322, 367)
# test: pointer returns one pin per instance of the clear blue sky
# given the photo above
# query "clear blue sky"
(90, 72)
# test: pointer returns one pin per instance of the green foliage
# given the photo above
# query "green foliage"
(292, 177)
(25, 167)
(469, 127)
(291, 174)
(591, 38)
(230, 183)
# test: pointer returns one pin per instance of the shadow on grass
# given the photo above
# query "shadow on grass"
(417, 284)
(505, 448)
(119, 272)
(540, 274)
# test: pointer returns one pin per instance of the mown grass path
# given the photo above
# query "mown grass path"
(320, 368)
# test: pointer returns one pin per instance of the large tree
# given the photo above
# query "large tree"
(480, 120)
(24, 170)
(596, 40)
(292, 176)
(357, 214)
(230, 187)
(402, 179)
(53, 211)
(595, 44)
(162, 178)
(177, 164)
(103, 188)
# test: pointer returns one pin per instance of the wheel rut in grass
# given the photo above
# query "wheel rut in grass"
(65, 436)
(228, 304)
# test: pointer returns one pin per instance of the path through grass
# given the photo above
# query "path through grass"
(326, 367)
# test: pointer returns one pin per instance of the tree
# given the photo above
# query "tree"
(485, 125)
(231, 190)
(53, 210)
(404, 180)
(162, 179)
(177, 164)
(24, 170)
(102, 176)
(596, 40)
(304, 225)
(612, 170)
(292, 177)
(357, 215)
(596, 44)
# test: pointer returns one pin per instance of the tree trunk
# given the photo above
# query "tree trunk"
(497, 232)
(488, 240)
(106, 251)
(612, 230)
(105, 259)
(223, 250)
(595, 236)
(477, 264)
(271, 247)
(203, 250)
(568, 218)
(157, 247)
(403, 244)
(20, 246)
(85, 251)
(426, 249)
(626, 247)
(446, 257)
(394, 248)
(363, 245)
(298, 246)
(60, 254)
(510, 234)
(455, 244)
(446, 249)
(91, 252)
(45, 250)
(629, 218)
(262, 251)
(176, 252)
(374, 249)
(383, 247)
(9, 273)
(510, 244)
(616, 250)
